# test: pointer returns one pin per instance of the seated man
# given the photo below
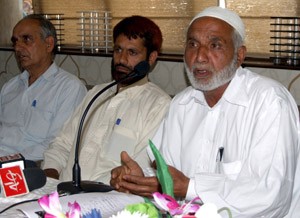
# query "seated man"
(232, 138)
(123, 118)
(35, 104)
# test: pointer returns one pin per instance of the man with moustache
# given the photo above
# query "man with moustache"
(231, 139)
(123, 118)
(35, 104)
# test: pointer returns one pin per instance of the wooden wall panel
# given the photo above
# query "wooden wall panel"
(173, 17)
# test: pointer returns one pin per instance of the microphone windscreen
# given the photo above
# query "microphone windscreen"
(35, 178)
(30, 164)
(142, 68)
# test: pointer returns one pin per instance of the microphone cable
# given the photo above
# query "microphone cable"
(18, 203)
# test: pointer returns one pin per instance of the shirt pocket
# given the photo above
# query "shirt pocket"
(122, 139)
(231, 169)
(38, 122)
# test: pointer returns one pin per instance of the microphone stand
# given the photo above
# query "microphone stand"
(76, 185)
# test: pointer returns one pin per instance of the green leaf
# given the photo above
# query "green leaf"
(163, 175)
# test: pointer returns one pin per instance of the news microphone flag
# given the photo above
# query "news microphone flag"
(13, 181)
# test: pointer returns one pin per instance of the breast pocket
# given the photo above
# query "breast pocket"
(231, 169)
(122, 139)
(38, 122)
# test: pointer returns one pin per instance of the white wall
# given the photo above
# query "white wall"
(169, 76)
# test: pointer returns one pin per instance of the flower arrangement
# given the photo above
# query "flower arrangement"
(167, 204)
(141, 210)
(191, 209)
(163, 203)
(53, 209)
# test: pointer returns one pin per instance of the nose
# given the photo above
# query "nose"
(202, 54)
(123, 57)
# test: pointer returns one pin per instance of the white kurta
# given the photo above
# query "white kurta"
(257, 123)
(31, 116)
(115, 123)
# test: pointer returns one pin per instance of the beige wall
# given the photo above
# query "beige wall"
(10, 14)
(174, 15)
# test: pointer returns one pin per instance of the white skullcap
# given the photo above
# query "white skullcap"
(226, 15)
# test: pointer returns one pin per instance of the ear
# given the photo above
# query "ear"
(152, 57)
(241, 54)
(50, 43)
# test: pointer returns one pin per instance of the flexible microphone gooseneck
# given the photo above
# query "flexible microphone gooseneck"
(76, 185)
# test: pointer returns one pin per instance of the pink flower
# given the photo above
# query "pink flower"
(51, 206)
(169, 204)
(53, 209)
(74, 211)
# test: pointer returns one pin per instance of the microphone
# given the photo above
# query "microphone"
(15, 178)
(35, 178)
(17, 182)
(76, 185)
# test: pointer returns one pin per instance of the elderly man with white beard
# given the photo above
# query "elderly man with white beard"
(232, 138)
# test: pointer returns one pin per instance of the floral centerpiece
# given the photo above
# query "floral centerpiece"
(53, 208)
(163, 204)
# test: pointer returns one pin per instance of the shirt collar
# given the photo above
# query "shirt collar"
(49, 73)
(236, 92)
(140, 82)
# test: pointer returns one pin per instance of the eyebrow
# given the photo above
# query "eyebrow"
(14, 38)
(214, 37)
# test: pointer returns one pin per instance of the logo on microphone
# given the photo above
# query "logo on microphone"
(13, 181)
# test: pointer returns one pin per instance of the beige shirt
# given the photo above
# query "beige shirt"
(114, 123)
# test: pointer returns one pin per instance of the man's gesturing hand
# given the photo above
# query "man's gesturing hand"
(130, 178)
(129, 167)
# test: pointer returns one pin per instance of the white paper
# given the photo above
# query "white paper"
(108, 203)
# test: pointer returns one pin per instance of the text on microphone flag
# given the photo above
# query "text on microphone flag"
(13, 181)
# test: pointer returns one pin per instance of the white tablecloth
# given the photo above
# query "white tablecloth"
(49, 187)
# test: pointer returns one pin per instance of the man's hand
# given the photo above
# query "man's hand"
(129, 167)
(53, 173)
(180, 181)
(140, 185)
(146, 186)
(130, 178)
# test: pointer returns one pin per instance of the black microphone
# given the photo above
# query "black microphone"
(35, 178)
(76, 185)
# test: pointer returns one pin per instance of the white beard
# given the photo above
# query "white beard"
(219, 77)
